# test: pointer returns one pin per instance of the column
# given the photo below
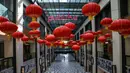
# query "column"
(85, 54)
(94, 47)
(19, 44)
(116, 38)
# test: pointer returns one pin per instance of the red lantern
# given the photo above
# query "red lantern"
(32, 38)
(99, 32)
(91, 9)
(72, 36)
(88, 31)
(102, 39)
(107, 35)
(88, 37)
(120, 25)
(70, 25)
(24, 38)
(125, 33)
(8, 27)
(75, 47)
(40, 41)
(33, 11)
(62, 31)
(34, 25)
(3, 19)
(34, 33)
(18, 35)
(48, 44)
(95, 33)
(106, 22)
(50, 38)
(82, 43)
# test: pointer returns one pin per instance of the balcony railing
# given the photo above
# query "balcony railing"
(29, 65)
(104, 64)
(6, 65)
(29, 56)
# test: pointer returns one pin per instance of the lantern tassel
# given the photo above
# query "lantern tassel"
(125, 36)
(90, 17)
(8, 36)
(34, 18)
(75, 52)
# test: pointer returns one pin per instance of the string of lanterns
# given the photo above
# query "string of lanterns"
(62, 36)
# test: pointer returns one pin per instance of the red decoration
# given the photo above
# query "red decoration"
(50, 38)
(107, 35)
(3, 19)
(88, 37)
(18, 35)
(99, 32)
(8, 27)
(91, 9)
(82, 43)
(120, 25)
(72, 36)
(34, 33)
(33, 11)
(75, 47)
(125, 33)
(34, 25)
(48, 44)
(24, 38)
(88, 31)
(62, 31)
(102, 39)
(106, 22)
(40, 41)
(70, 25)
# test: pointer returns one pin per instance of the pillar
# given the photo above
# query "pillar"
(94, 47)
(116, 38)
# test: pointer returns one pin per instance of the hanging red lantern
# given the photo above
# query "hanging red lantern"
(50, 38)
(62, 31)
(8, 28)
(88, 31)
(88, 37)
(107, 35)
(33, 11)
(34, 33)
(70, 25)
(48, 44)
(34, 25)
(99, 32)
(95, 33)
(81, 43)
(125, 33)
(106, 22)
(120, 25)
(102, 39)
(91, 9)
(40, 41)
(71, 36)
(75, 47)
(18, 35)
(31, 38)
(3, 19)
(24, 38)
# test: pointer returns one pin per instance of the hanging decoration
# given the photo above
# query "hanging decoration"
(89, 37)
(34, 33)
(102, 39)
(91, 9)
(62, 32)
(3, 19)
(33, 11)
(17, 35)
(8, 28)
(106, 22)
(107, 35)
(34, 25)
(75, 47)
(24, 38)
(120, 25)
(71, 36)
(70, 25)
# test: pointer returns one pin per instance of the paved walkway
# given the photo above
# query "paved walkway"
(65, 63)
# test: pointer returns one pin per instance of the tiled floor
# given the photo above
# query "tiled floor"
(65, 63)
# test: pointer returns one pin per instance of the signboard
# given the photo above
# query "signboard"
(62, 17)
